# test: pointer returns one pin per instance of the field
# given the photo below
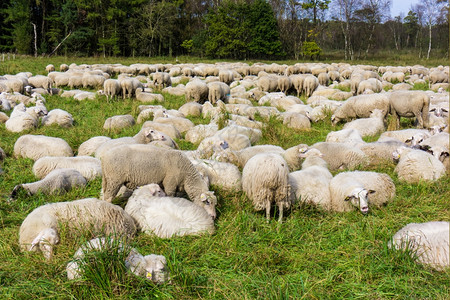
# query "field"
(313, 254)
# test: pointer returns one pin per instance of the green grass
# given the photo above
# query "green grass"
(312, 255)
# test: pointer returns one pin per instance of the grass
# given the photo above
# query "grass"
(312, 255)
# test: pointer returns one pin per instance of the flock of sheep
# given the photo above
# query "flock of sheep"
(150, 172)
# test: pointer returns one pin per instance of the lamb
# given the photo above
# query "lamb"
(369, 126)
(89, 167)
(360, 107)
(152, 267)
(59, 117)
(311, 183)
(417, 165)
(410, 104)
(148, 97)
(37, 146)
(88, 148)
(218, 91)
(131, 165)
(341, 156)
(265, 179)
(428, 243)
(40, 229)
(197, 90)
(167, 216)
(58, 181)
(112, 88)
(225, 175)
(119, 122)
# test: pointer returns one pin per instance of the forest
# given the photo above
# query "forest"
(239, 29)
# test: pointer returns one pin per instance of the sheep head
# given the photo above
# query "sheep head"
(45, 241)
(208, 201)
(359, 197)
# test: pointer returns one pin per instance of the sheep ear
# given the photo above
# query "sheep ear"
(445, 154)
(36, 240)
(348, 198)
(408, 140)
(203, 197)
(371, 191)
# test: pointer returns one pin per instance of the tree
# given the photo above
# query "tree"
(431, 10)
(344, 11)
(18, 15)
(315, 5)
(411, 23)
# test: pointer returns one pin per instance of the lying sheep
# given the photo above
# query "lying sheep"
(160, 139)
(131, 165)
(58, 181)
(59, 117)
(265, 179)
(199, 132)
(348, 135)
(412, 136)
(88, 148)
(119, 122)
(191, 109)
(108, 145)
(40, 229)
(428, 243)
(380, 151)
(341, 156)
(417, 165)
(152, 267)
(410, 104)
(369, 126)
(148, 97)
(37, 146)
(167, 216)
(225, 175)
(181, 124)
(371, 84)
(88, 166)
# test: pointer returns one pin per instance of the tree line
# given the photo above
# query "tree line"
(237, 29)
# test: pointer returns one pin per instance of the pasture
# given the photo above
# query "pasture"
(313, 254)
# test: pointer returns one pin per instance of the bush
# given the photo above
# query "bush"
(311, 49)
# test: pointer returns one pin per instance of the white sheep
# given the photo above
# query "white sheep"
(106, 146)
(40, 81)
(167, 216)
(88, 147)
(412, 136)
(58, 181)
(137, 165)
(112, 88)
(218, 91)
(37, 146)
(410, 104)
(347, 194)
(152, 267)
(148, 97)
(162, 79)
(225, 175)
(348, 135)
(371, 84)
(341, 155)
(369, 126)
(88, 166)
(119, 122)
(417, 165)
(265, 180)
(428, 243)
(360, 106)
(59, 117)
(199, 132)
(378, 152)
(197, 90)
(40, 229)
(193, 109)
(155, 137)
(181, 124)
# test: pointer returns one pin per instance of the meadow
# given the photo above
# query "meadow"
(313, 254)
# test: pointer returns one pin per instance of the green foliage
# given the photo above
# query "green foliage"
(188, 45)
(311, 49)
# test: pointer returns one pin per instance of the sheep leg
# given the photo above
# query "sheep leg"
(110, 190)
(280, 218)
(268, 211)
(419, 119)
(170, 186)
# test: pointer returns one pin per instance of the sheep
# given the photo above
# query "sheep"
(427, 242)
(3, 117)
(91, 80)
(226, 76)
(311, 183)
(360, 107)
(438, 77)
(410, 104)
(192, 109)
(40, 81)
(40, 229)
(152, 267)
(112, 88)
(369, 126)
(167, 216)
(310, 83)
(410, 135)
(253, 134)
(380, 151)
(341, 155)
(265, 179)
(208, 148)
(296, 121)
(37, 146)
(225, 175)
(348, 135)
(119, 122)
(129, 86)
(162, 79)
(268, 83)
(88, 147)
(20, 120)
(417, 165)
(168, 129)
(199, 132)
(148, 97)
(348, 193)
(88, 166)
(181, 124)
(284, 83)
(135, 165)
(297, 82)
(57, 181)
(371, 84)
(218, 91)
(197, 90)
(324, 79)
(154, 137)
(58, 116)
(63, 67)
(127, 140)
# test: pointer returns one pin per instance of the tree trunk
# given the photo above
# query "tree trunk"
(35, 40)
(429, 42)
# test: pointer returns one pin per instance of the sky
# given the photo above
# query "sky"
(401, 6)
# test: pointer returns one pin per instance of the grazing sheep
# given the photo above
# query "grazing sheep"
(348, 193)
(63, 67)
(369, 126)
(40, 81)
(162, 79)
(284, 83)
(112, 88)
(410, 104)
(310, 84)
(324, 79)
(428, 243)
(417, 165)
(218, 91)
(37, 146)
(88, 166)
(297, 82)
(39, 230)
(152, 267)
(58, 181)
(341, 156)
(222, 174)
(197, 90)
(136, 165)
(360, 107)
(88, 148)
(265, 179)
(371, 84)
(167, 216)
(268, 83)
(311, 183)
(226, 76)
(119, 122)
(59, 117)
